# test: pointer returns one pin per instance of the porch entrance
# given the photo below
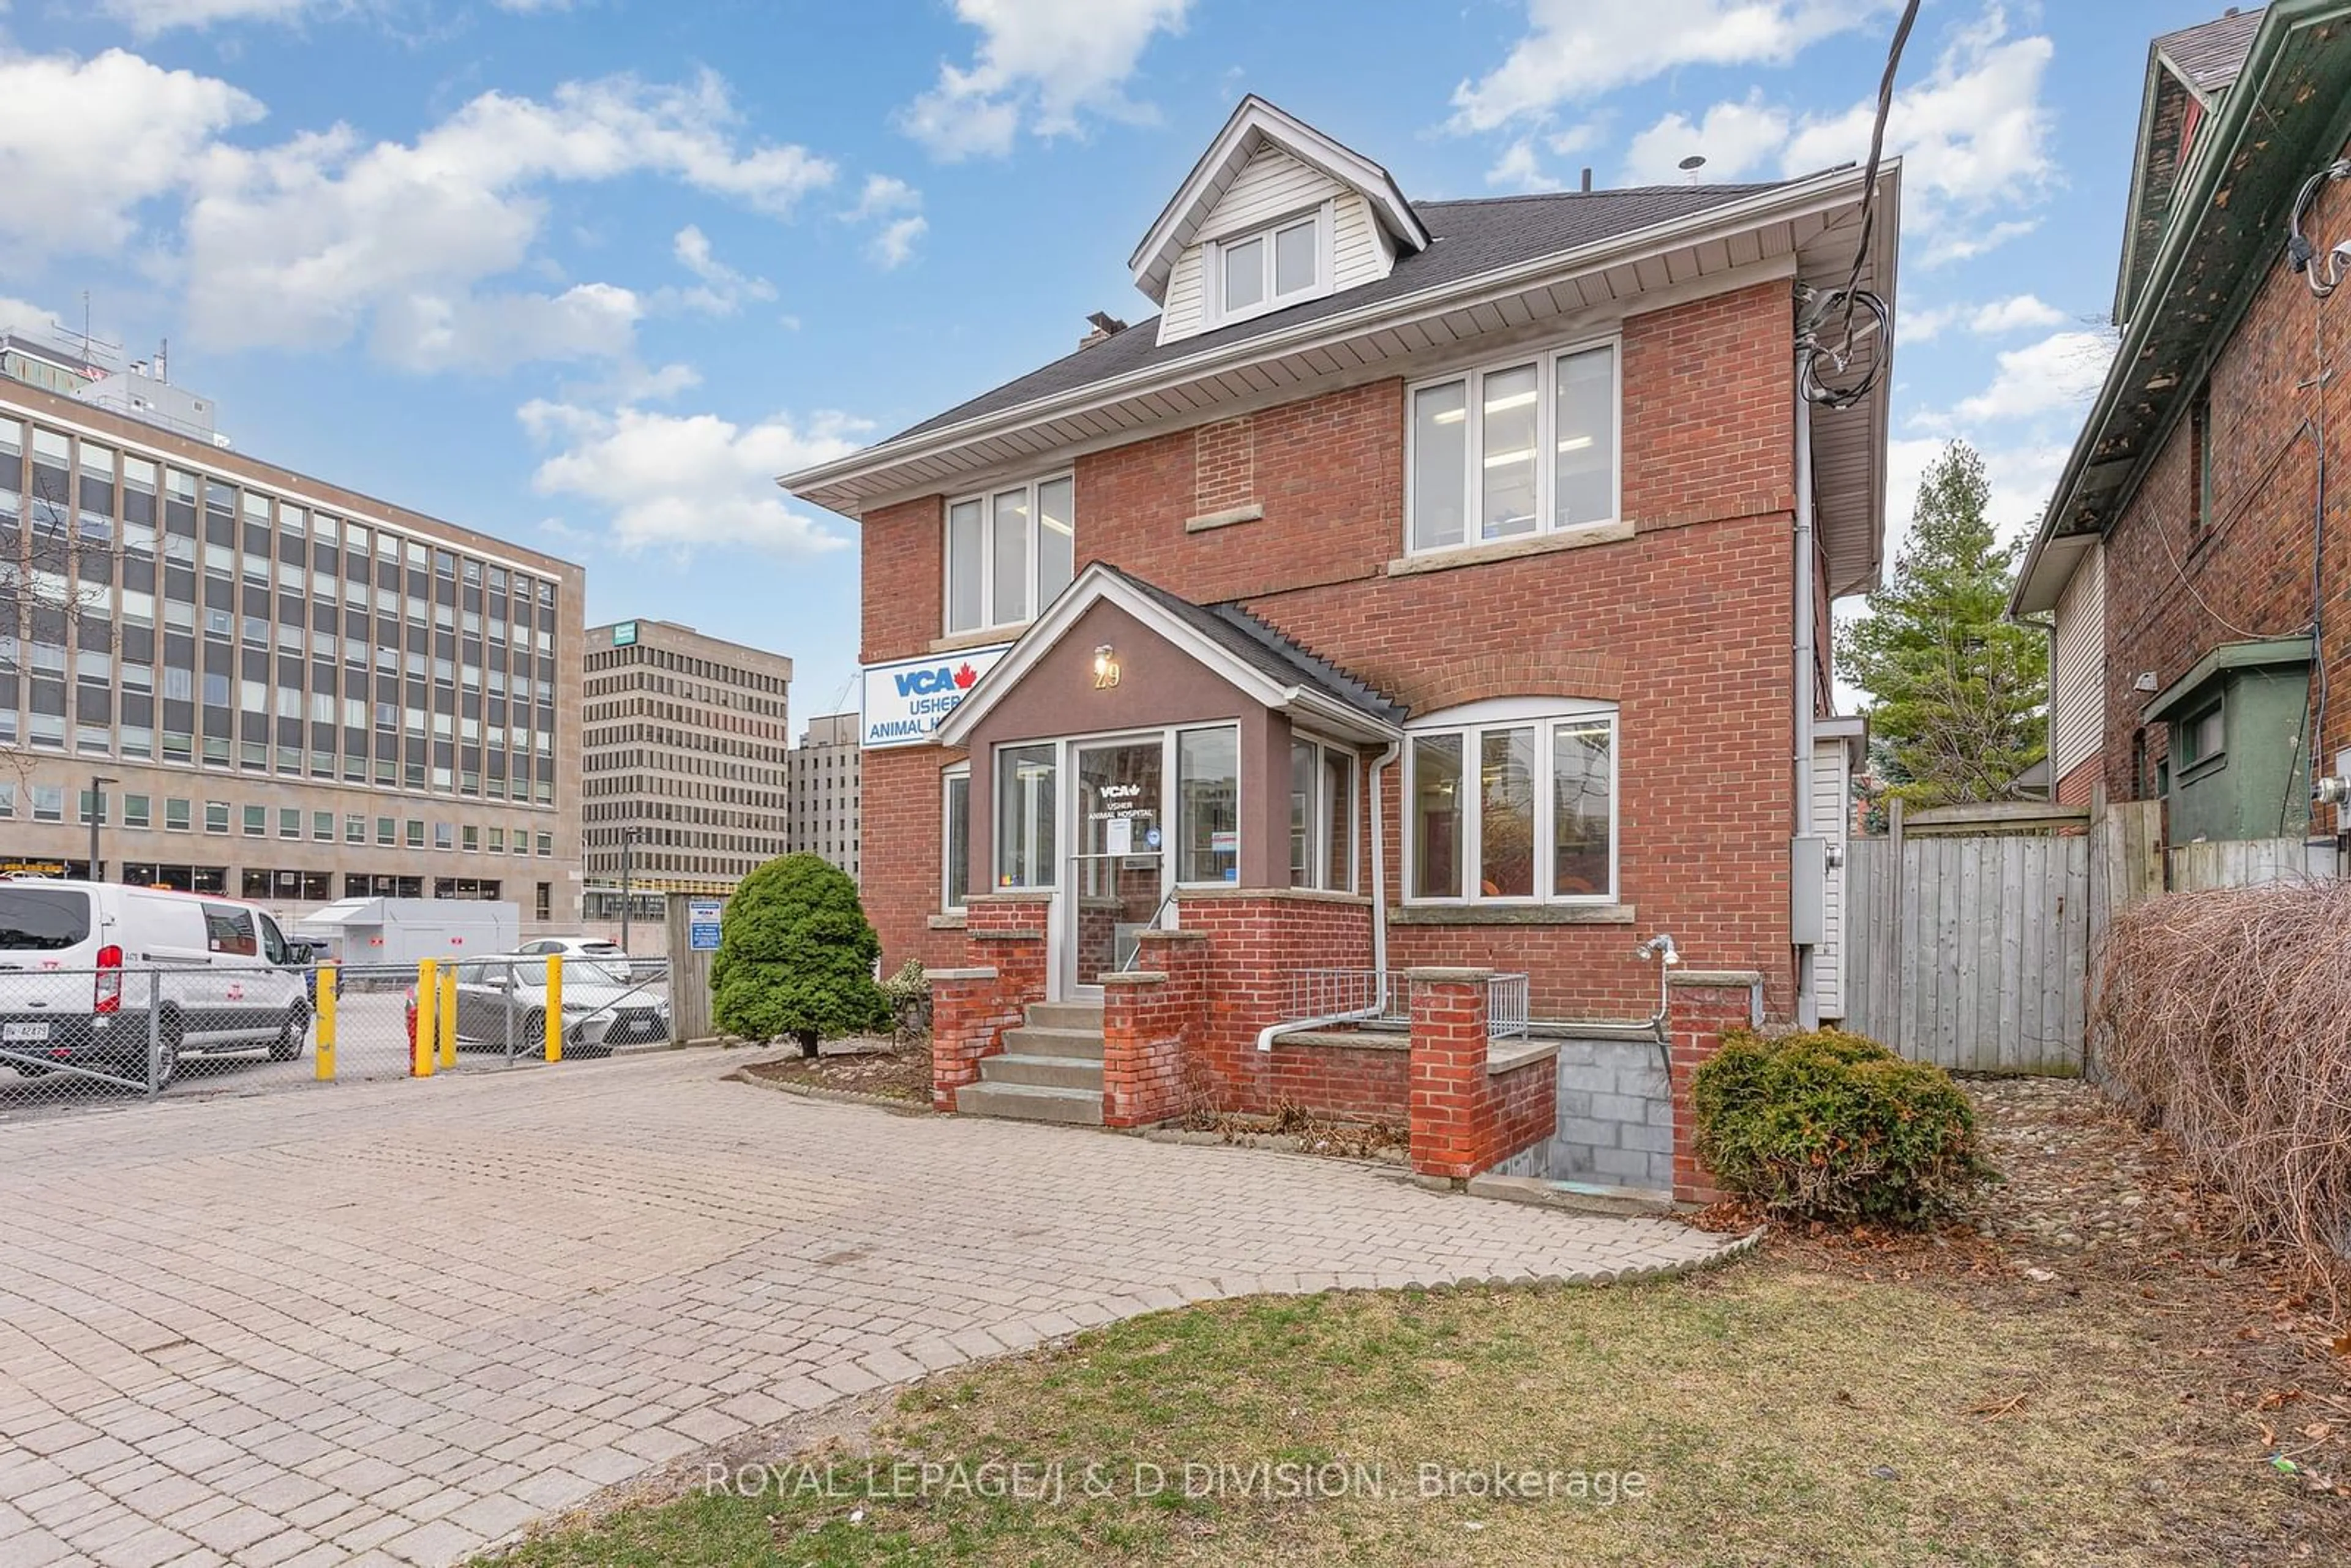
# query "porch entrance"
(1121, 858)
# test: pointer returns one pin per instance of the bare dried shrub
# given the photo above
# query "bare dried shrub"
(2226, 1016)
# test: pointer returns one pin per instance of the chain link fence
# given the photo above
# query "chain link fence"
(92, 1037)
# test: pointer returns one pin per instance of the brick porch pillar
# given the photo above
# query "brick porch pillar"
(1700, 1004)
(1151, 1019)
(966, 1024)
(1449, 1070)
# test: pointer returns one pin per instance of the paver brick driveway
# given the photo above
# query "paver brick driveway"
(395, 1321)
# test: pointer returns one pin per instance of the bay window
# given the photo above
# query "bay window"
(1009, 553)
(1515, 450)
(1028, 809)
(1322, 816)
(1538, 824)
(1208, 805)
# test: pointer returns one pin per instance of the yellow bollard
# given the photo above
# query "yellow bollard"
(428, 987)
(326, 1023)
(555, 1007)
(448, 1034)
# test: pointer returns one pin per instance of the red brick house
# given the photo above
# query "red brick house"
(1420, 613)
(2197, 589)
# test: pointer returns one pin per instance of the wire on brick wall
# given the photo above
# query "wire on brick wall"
(2324, 278)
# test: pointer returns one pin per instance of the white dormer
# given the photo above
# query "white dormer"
(1274, 214)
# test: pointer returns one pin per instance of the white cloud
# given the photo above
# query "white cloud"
(2056, 375)
(1972, 133)
(1576, 49)
(895, 206)
(1519, 169)
(1973, 136)
(427, 331)
(680, 483)
(722, 289)
(1733, 137)
(1041, 64)
(23, 316)
(2021, 478)
(148, 17)
(2017, 313)
(85, 143)
(894, 245)
(299, 244)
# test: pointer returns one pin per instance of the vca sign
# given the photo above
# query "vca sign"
(904, 700)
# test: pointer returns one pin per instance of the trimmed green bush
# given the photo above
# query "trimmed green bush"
(1834, 1126)
(795, 956)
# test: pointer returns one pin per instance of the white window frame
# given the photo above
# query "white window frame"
(1545, 359)
(1470, 722)
(947, 779)
(1319, 877)
(986, 500)
(1215, 313)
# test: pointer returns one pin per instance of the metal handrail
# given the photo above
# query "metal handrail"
(1150, 924)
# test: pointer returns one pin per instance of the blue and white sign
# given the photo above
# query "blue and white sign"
(904, 700)
(702, 925)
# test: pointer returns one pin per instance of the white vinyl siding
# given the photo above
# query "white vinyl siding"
(2077, 668)
(1832, 821)
(1274, 185)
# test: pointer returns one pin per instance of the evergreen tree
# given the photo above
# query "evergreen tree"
(795, 956)
(1959, 694)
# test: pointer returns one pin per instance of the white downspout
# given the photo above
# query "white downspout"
(1268, 1035)
(1808, 1002)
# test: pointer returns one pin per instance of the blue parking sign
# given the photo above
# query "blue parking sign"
(702, 925)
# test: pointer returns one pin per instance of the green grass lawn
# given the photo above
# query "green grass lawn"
(1774, 1413)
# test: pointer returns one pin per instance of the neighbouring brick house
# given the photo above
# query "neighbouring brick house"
(2197, 585)
(1423, 610)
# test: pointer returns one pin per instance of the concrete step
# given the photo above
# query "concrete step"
(1032, 1103)
(1078, 1044)
(1047, 1071)
(1066, 1015)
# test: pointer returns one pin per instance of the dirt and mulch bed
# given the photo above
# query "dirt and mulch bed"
(875, 1065)
(2090, 1369)
(1300, 1131)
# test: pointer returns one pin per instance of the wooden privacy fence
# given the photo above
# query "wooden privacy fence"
(1970, 952)
(2247, 863)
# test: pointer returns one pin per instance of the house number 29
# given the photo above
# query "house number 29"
(1105, 673)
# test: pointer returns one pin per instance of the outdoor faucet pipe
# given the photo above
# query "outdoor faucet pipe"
(1661, 947)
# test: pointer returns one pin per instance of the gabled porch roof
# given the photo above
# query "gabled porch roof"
(1252, 656)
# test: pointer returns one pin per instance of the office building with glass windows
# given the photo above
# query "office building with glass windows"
(684, 765)
(824, 775)
(270, 686)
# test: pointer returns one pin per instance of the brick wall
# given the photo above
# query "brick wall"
(1465, 1119)
(1255, 943)
(1364, 1083)
(1700, 1007)
(1685, 625)
(2253, 566)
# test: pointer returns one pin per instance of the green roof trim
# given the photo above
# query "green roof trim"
(2261, 653)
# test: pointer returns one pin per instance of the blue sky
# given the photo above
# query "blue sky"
(589, 272)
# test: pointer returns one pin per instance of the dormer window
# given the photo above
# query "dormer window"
(1268, 268)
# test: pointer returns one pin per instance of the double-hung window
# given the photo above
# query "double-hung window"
(1322, 816)
(1267, 269)
(1514, 449)
(1009, 553)
(1513, 800)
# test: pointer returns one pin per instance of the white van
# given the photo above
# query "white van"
(83, 964)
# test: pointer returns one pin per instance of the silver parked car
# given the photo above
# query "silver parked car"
(502, 1000)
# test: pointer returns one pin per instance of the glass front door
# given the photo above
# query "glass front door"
(1118, 865)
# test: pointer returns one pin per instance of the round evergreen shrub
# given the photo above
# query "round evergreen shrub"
(795, 956)
(1827, 1125)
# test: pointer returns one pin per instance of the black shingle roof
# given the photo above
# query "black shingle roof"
(1468, 238)
(2210, 54)
(1246, 637)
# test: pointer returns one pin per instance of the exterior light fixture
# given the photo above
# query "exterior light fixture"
(2144, 681)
